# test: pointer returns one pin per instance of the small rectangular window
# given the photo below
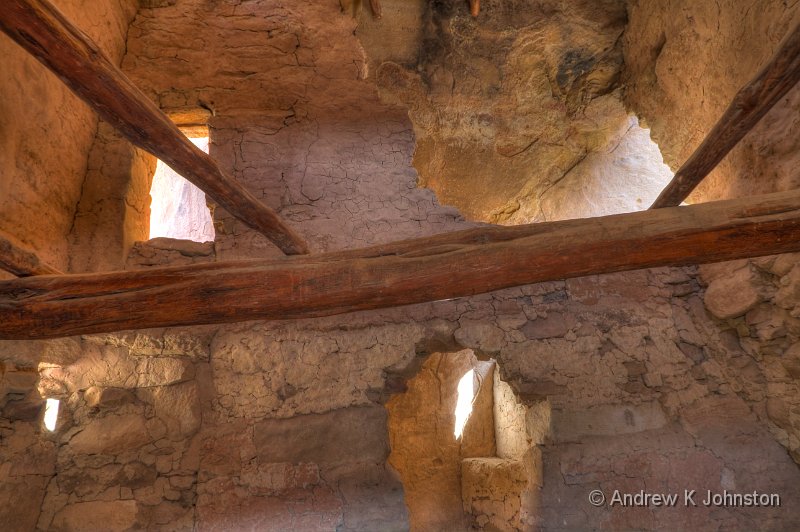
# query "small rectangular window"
(178, 208)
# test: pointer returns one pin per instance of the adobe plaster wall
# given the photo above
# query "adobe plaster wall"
(684, 62)
(281, 425)
(46, 133)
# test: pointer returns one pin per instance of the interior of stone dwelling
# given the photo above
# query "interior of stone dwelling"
(391, 265)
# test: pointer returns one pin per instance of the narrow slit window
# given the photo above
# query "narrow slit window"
(466, 395)
(51, 414)
(178, 208)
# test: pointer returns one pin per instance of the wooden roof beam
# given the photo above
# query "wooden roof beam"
(42, 30)
(749, 105)
(474, 7)
(451, 265)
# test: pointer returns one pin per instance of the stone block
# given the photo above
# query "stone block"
(97, 397)
(355, 434)
(97, 515)
(606, 420)
(110, 434)
(480, 336)
(492, 491)
(732, 295)
(555, 325)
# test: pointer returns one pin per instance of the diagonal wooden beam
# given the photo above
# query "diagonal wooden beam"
(16, 258)
(42, 30)
(749, 105)
(474, 7)
(413, 271)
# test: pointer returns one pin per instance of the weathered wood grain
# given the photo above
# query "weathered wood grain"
(17, 259)
(42, 30)
(456, 264)
(749, 105)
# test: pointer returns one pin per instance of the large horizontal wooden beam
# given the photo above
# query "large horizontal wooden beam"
(42, 30)
(414, 271)
(749, 105)
(21, 261)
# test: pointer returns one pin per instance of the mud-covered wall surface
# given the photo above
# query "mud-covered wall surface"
(280, 426)
(46, 133)
(655, 381)
(684, 62)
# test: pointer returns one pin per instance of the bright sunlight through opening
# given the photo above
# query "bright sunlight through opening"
(466, 393)
(178, 208)
(51, 414)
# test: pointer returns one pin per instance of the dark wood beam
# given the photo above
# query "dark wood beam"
(414, 271)
(42, 30)
(474, 7)
(749, 105)
(17, 259)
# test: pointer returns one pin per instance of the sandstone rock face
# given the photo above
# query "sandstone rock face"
(516, 113)
(45, 137)
(607, 421)
(28, 462)
(294, 119)
(759, 310)
(684, 61)
(46, 133)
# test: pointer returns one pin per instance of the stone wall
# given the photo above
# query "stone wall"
(684, 62)
(45, 137)
(46, 133)
(625, 382)
(279, 425)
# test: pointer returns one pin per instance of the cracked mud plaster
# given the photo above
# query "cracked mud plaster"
(46, 133)
(182, 428)
(659, 412)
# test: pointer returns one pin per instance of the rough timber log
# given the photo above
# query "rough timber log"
(749, 105)
(22, 262)
(413, 271)
(43, 31)
(475, 7)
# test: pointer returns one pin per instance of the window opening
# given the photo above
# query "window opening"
(178, 208)
(466, 394)
(51, 414)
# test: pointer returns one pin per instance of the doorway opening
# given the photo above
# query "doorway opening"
(466, 447)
